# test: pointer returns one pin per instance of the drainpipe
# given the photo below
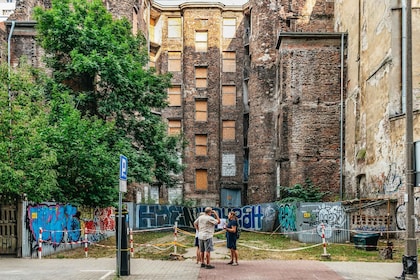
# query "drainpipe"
(9, 90)
(8, 63)
(341, 115)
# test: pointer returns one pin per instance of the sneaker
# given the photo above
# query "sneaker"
(235, 264)
(231, 262)
(209, 266)
(203, 265)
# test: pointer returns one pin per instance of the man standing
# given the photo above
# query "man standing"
(205, 225)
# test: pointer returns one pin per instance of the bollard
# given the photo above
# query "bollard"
(40, 244)
(175, 236)
(131, 243)
(124, 268)
(324, 244)
(86, 244)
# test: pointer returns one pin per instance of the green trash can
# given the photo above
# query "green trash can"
(366, 241)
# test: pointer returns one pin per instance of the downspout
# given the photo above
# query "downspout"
(403, 55)
(8, 63)
(341, 114)
(9, 90)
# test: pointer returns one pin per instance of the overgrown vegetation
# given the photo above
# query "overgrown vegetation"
(61, 135)
(307, 192)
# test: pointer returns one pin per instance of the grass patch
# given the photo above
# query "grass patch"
(251, 246)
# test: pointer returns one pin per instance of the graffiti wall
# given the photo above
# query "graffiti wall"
(301, 221)
(62, 226)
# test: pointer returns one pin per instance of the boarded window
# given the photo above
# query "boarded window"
(201, 110)
(228, 130)
(229, 62)
(201, 181)
(229, 27)
(201, 41)
(174, 27)
(174, 61)
(201, 145)
(229, 95)
(174, 96)
(201, 77)
(174, 127)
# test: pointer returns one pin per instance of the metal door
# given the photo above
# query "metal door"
(8, 229)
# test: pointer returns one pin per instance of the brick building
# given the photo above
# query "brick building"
(245, 93)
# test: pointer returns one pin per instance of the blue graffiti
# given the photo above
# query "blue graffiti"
(54, 221)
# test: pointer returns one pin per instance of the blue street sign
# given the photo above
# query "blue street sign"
(123, 167)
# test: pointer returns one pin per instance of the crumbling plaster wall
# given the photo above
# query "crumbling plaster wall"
(375, 122)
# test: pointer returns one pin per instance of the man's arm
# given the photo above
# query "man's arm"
(216, 216)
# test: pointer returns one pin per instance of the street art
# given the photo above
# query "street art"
(250, 217)
(54, 221)
(66, 224)
(393, 180)
(287, 217)
(401, 215)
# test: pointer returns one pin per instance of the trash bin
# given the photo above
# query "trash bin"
(366, 241)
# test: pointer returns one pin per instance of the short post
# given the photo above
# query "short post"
(131, 243)
(324, 244)
(40, 244)
(66, 238)
(175, 236)
(86, 244)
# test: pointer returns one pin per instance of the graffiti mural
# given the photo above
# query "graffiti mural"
(287, 217)
(393, 180)
(54, 220)
(401, 215)
(250, 217)
(65, 224)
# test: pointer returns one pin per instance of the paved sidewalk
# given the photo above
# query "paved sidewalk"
(104, 269)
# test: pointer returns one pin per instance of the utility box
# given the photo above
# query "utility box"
(366, 241)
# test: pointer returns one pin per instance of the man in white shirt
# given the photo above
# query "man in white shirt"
(205, 225)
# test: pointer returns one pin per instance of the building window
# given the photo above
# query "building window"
(201, 145)
(201, 110)
(229, 95)
(228, 165)
(201, 180)
(229, 62)
(228, 130)
(201, 41)
(201, 77)
(174, 61)
(229, 27)
(174, 27)
(174, 127)
(174, 96)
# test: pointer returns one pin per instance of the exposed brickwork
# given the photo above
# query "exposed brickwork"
(291, 130)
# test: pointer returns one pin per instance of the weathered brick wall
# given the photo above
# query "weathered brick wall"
(270, 122)
(310, 98)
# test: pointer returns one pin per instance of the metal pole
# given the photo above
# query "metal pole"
(119, 233)
(411, 245)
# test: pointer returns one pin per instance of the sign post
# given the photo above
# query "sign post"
(122, 188)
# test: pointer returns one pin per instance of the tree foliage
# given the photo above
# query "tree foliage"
(26, 160)
(48, 151)
(104, 66)
(307, 192)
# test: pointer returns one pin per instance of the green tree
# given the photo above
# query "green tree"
(104, 66)
(26, 160)
(307, 192)
(87, 154)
